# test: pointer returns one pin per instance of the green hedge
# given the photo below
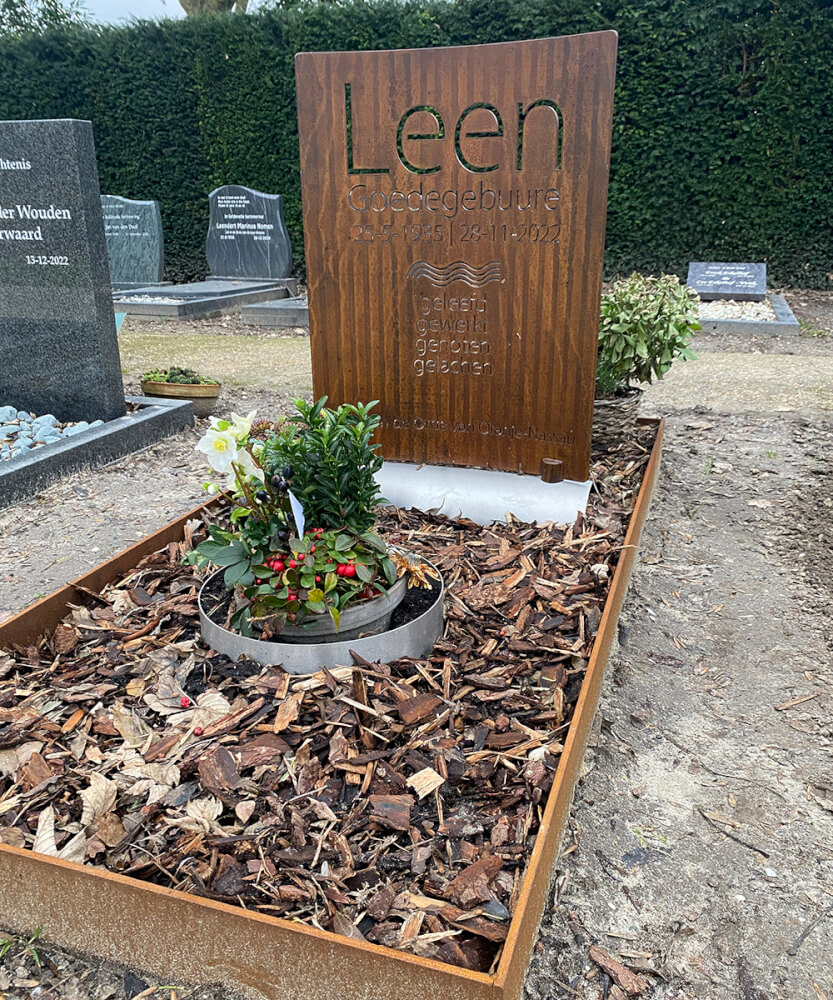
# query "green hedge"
(723, 136)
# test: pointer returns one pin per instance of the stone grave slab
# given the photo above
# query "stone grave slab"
(147, 420)
(57, 329)
(133, 230)
(288, 313)
(727, 280)
(247, 235)
(196, 299)
(454, 215)
(784, 322)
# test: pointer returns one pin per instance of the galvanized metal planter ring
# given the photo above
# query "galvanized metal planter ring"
(415, 638)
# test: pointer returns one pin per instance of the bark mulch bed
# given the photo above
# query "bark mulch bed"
(395, 802)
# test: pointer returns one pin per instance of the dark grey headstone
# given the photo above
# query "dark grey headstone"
(741, 282)
(247, 236)
(57, 330)
(134, 240)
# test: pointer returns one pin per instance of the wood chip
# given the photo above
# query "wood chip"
(632, 984)
(425, 781)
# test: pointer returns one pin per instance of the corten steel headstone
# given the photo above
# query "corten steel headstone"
(134, 240)
(728, 280)
(454, 215)
(58, 340)
(247, 235)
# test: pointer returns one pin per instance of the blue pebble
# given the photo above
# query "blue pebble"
(23, 415)
(97, 423)
(7, 413)
(77, 429)
(47, 419)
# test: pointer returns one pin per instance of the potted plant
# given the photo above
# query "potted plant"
(299, 561)
(646, 323)
(183, 383)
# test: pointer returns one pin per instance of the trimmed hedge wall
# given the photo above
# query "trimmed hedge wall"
(723, 136)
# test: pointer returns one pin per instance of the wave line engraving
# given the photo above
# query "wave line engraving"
(458, 270)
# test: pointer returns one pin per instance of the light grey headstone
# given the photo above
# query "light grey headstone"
(247, 236)
(134, 240)
(58, 340)
(725, 280)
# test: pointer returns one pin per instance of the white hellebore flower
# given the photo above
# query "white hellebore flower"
(220, 448)
(241, 426)
(245, 461)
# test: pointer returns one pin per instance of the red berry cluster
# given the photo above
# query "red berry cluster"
(346, 569)
(276, 563)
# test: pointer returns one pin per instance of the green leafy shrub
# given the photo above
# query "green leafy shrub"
(278, 570)
(178, 376)
(333, 460)
(645, 324)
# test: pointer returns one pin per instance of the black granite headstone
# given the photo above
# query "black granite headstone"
(741, 282)
(247, 237)
(58, 340)
(134, 241)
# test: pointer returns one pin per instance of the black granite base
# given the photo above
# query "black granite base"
(154, 419)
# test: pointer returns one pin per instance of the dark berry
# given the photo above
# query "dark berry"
(262, 496)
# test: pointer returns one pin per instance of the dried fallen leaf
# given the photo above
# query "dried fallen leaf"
(73, 850)
(98, 798)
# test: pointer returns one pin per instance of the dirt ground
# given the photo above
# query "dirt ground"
(700, 846)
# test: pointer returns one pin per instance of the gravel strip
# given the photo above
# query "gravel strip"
(729, 309)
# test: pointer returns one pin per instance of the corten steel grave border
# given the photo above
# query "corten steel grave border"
(177, 935)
